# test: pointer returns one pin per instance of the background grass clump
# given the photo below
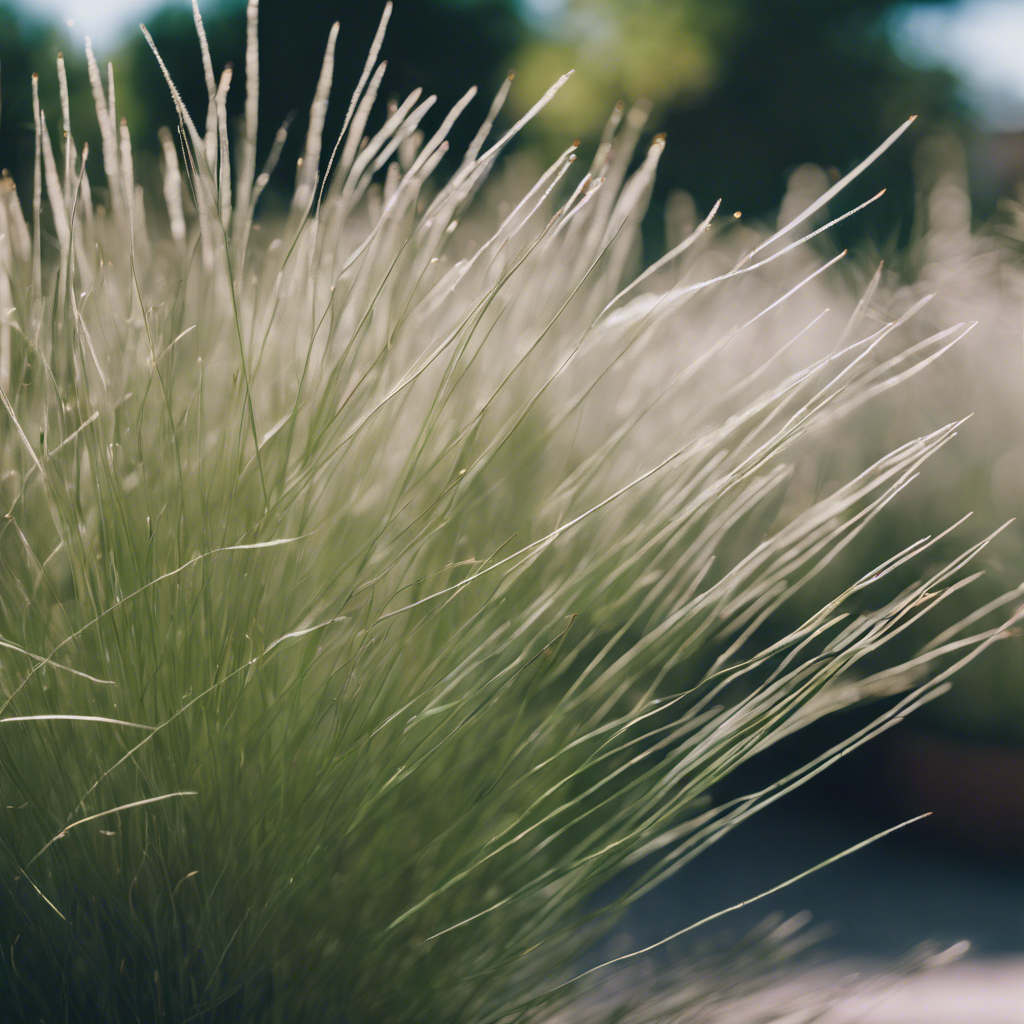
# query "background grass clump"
(379, 582)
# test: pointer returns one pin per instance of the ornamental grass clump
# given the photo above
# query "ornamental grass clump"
(369, 600)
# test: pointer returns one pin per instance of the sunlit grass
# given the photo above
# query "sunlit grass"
(371, 597)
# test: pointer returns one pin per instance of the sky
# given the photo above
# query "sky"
(981, 40)
(102, 20)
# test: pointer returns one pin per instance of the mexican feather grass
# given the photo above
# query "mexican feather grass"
(369, 598)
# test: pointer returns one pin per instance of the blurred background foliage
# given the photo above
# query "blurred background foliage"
(747, 90)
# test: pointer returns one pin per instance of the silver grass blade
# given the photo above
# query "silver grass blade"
(517, 218)
(128, 174)
(621, 233)
(358, 124)
(410, 146)
(194, 137)
(604, 146)
(73, 718)
(55, 191)
(210, 138)
(65, 110)
(87, 341)
(371, 60)
(141, 232)
(683, 246)
(111, 105)
(112, 810)
(392, 179)
(108, 135)
(463, 180)
(85, 235)
(349, 170)
(671, 255)
(488, 123)
(863, 305)
(224, 182)
(247, 156)
(406, 132)
(630, 202)
(625, 142)
(356, 182)
(833, 191)
(968, 621)
(56, 194)
(280, 137)
(484, 162)
(309, 162)
(37, 196)
(203, 177)
(20, 236)
(7, 308)
(172, 187)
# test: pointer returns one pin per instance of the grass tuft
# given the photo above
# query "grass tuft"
(374, 594)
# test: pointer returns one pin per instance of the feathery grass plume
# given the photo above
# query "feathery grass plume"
(374, 597)
(951, 272)
(6, 298)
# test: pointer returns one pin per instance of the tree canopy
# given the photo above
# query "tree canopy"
(747, 90)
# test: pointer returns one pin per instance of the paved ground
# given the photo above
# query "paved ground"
(984, 991)
(879, 902)
(878, 905)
